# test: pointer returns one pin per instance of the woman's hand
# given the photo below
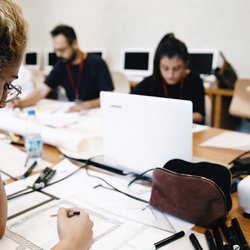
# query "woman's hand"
(75, 232)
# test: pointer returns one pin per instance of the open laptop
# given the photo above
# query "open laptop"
(143, 132)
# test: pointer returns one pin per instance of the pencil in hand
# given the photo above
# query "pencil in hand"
(69, 214)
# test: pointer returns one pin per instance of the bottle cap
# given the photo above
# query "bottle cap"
(31, 112)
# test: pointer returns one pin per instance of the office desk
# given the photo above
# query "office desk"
(220, 101)
(224, 156)
(52, 154)
(221, 155)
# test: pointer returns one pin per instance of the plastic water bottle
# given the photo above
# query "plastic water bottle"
(33, 139)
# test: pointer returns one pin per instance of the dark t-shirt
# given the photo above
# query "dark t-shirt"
(193, 90)
(95, 78)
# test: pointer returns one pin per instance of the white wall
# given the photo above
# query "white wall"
(115, 24)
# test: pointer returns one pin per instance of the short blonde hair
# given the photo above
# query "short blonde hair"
(13, 33)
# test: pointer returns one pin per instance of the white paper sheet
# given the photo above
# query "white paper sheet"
(8, 243)
(13, 161)
(36, 229)
(47, 106)
(19, 185)
(20, 204)
(83, 188)
(199, 128)
(230, 140)
(112, 230)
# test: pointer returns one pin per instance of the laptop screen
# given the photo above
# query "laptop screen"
(142, 132)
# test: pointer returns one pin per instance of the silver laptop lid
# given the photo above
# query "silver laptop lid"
(142, 132)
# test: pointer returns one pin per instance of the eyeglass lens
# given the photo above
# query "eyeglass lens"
(11, 92)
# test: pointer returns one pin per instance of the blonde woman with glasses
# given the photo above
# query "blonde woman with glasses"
(74, 232)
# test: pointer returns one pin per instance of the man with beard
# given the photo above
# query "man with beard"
(82, 76)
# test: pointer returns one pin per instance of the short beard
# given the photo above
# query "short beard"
(71, 59)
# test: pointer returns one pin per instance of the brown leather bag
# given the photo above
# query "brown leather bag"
(196, 192)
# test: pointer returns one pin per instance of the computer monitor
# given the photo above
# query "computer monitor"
(50, 60)
(96, 52)
(32, 59)
(136, 62)
(203, 61)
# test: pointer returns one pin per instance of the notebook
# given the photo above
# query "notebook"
(143, 132)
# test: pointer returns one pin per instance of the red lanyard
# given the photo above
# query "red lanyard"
(76, 86)
(165, 89)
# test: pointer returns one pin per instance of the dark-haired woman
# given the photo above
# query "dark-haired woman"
(171, 77)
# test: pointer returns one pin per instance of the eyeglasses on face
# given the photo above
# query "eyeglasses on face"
(11, 92)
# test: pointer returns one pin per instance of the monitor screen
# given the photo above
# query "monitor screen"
(31, 58)
(96, 53)
(136, 62)
(203, 62)
(52, 58)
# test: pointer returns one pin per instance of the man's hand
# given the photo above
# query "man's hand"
(79, 106)
(95, 103)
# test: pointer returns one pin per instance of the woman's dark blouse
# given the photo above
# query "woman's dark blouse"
(192, 90)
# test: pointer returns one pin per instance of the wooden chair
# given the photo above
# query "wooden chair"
(208, 108)
(240, 104)
(121, 83)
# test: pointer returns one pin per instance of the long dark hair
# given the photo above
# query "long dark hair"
(168, 46)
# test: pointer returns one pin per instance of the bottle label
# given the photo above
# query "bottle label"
(34, 146)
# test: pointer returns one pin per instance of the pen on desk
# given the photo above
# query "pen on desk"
(69, 214)
(239, 234)
(167, 240)
(11, 177)
(44, 178)
(17, 143)
(29, 170)
(210, 240)
(26, 161)
(195, 242)
(218, 239)
(231, 238)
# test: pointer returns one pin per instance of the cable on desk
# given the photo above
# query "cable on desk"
(240, 166)
(114, 188)
(142, 177)
(13, 196)
(238, 157)
(79, 168)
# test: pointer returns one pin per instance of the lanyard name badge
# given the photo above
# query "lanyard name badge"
(76, 85)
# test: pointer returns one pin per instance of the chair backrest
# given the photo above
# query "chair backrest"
(121, 83)
(208, 108)
(240, 104)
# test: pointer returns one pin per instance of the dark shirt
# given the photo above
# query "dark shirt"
(192, 90)
(95, 78)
